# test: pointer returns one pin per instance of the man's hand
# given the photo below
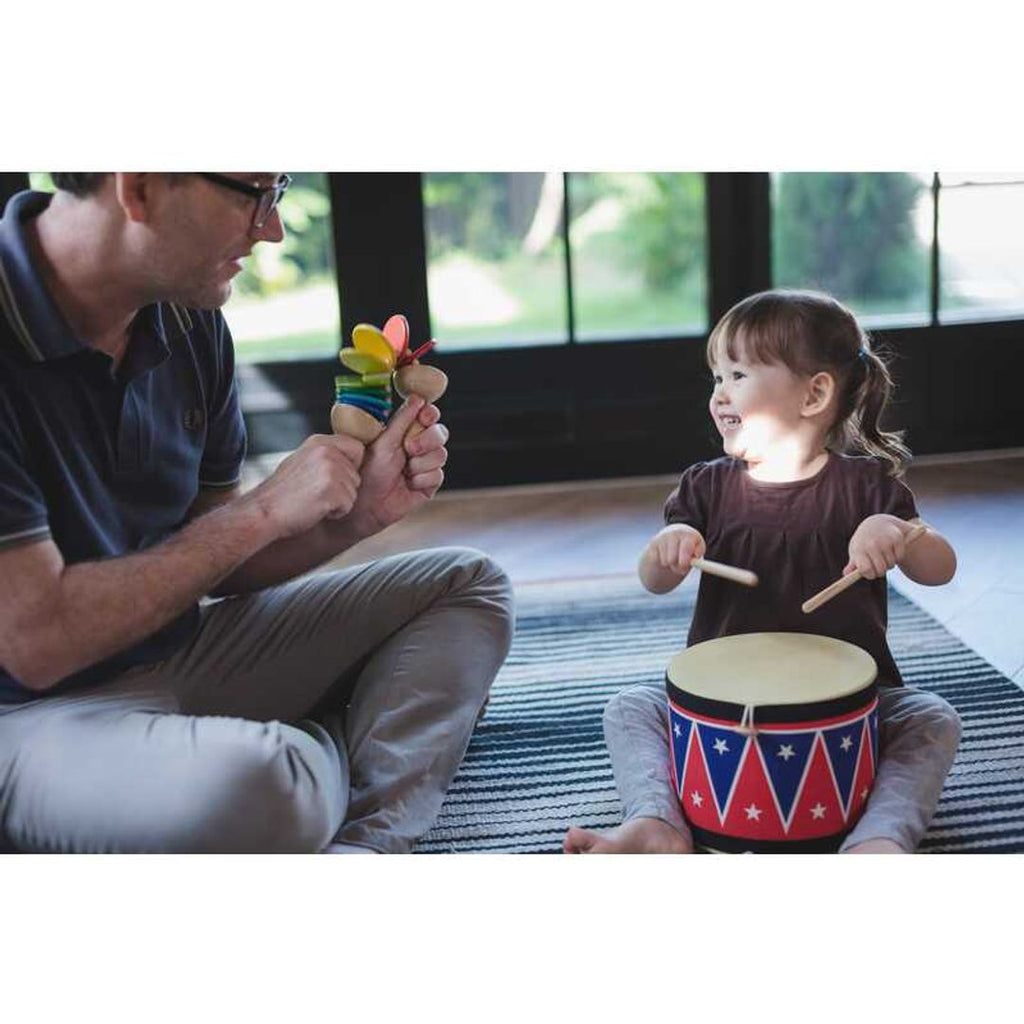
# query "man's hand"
(332, 493)
(319, 480)
(398, 475)
(877, 545)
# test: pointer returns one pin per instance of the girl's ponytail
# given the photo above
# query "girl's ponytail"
(861, 428)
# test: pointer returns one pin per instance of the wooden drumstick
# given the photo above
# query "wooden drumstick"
(727, 572)
(844, 582)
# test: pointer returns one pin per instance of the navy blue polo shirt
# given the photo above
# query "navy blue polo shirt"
(102, 463)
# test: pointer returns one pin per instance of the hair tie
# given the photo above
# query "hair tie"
(863, 355)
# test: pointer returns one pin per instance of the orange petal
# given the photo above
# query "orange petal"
(396, 330)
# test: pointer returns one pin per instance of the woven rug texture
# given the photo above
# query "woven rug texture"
(537, 761)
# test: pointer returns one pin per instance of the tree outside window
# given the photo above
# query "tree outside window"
(495, 259)
(864, 238)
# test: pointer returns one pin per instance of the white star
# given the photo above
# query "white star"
(720, 745)
(818, 811)
(753, 813)
(698, 800)
(847, 743)
(678, 732)
(786, 751)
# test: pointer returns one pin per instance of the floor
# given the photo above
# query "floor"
(555, 531)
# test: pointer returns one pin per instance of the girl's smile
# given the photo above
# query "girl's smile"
(761, 412)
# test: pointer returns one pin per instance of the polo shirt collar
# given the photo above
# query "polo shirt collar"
(37, 323)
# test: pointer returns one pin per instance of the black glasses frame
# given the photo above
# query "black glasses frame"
(267, 196)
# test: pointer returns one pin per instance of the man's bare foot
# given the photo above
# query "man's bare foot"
(876, 846)
(639, 835)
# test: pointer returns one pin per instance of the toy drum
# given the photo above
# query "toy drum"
(774, 740)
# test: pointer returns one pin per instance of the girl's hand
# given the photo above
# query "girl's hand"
(675, 547)
(877, 545)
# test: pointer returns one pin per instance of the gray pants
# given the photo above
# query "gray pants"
(336, 707)
(918, 736)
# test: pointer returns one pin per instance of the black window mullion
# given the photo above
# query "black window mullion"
(738, 211)
(569, 299)
(936, 271)
(380, 249)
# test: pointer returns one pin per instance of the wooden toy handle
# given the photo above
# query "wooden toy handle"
(428, 382)
(727, 572)
(845, 582)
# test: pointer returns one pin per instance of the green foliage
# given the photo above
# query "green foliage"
(849, 234)
(468, 212)
(660, 229)
(664, 228)
(306, 254)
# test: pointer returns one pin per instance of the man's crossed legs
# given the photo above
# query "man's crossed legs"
(335, 708)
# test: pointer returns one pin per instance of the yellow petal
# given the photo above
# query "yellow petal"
(368, 339)
(363, 362)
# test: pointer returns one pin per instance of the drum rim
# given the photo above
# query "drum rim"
(772, 714)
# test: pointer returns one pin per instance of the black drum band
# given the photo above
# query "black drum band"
(764, 714)
(716, 842)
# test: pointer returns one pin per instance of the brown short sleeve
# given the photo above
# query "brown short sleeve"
(893, 496)
(688, 503)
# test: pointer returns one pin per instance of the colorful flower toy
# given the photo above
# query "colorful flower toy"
(363, 398)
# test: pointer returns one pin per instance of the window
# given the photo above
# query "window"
(638, 255)
(981, 248)
(284, 304)
(498, 274)
(864, 238)
(495, 259)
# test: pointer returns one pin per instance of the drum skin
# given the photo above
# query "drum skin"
(774, 741)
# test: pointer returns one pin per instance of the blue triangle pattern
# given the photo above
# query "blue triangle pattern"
(722, 749)
(785, 755)
(843, 745)
(680, 730)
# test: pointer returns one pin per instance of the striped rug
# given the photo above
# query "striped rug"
(537, 761)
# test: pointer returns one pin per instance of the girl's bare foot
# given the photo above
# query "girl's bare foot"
(876, 846)
(639, 835)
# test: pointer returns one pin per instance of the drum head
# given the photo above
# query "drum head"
(772, 668)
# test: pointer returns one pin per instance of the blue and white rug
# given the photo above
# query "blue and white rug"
(537, 761)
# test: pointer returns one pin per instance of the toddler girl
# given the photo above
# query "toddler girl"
(797, 391)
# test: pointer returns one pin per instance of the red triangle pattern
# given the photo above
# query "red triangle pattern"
(818, 812)
(752, 813)
(697, 798)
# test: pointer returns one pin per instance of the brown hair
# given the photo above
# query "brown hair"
(809, 333)
(78, 183)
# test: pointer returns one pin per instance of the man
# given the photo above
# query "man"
(327, 712)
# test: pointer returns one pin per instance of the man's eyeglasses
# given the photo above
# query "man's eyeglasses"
(267, 196)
